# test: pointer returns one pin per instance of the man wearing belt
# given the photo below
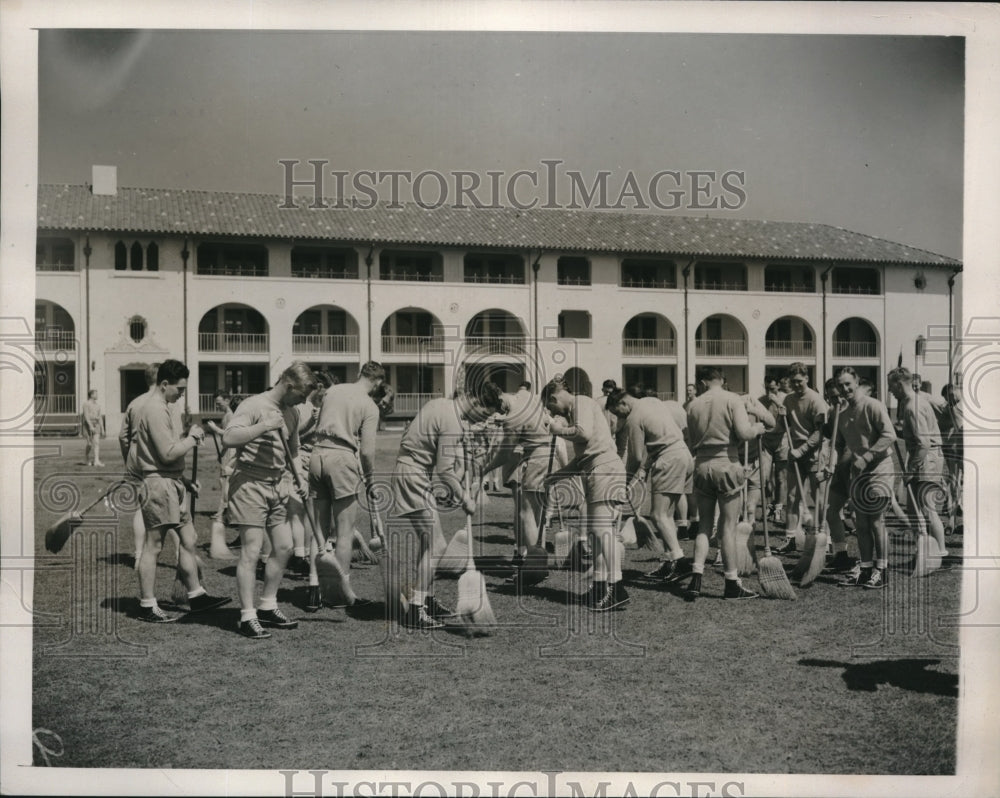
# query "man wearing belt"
(158, 454)
(803, 414)
(868, 436)
(717, 423)
(925, 469)
(343, 456)
(581, 420)
(655, 446)
(259, 489)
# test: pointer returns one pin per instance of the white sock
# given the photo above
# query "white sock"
(881, 564)
(247, 615)
(419, 597)
(733, 575)
(268, 602)
(195, 593)
(148, 602)
(300, 551)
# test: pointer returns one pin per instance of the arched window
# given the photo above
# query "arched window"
(121, 256)
(137, 328)
(152, 257)
(136, 260)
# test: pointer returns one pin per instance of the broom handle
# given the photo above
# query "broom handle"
(470, 563)
(763, 494)
(100, 498)
(218, 446)
(832, 459)
(194, 478)
(545, 495)
(746, 479)
(798, 477)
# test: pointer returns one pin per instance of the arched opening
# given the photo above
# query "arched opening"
(789, 336)
(324, 329)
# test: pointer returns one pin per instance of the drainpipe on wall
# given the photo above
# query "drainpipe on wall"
(951, 330)
(686, 272)
(368, 303)
(538, 347)
(87, 251)
(821, 378)
(185, 254)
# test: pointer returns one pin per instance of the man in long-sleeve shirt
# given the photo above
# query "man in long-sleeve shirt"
(91, 427)
(434, 442)
(655, 445)
(343, 458)
(581, 420)
(868, 436)
(717, 422)
(259, 489)
(802, 415)
(158, 453)
(917, 426)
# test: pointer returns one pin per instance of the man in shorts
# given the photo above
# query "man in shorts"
(655, 446)
(868, 437)
(802, 414)
(924, 467)
(259, 489)
(434, 443)
(774, 453)
(126, 440)
(342, 464)
(837, 472)
(92, 427)
(717, 423)
(158, 454)
(218, 550)
(581, 420)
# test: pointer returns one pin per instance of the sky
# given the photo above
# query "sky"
(860, 132)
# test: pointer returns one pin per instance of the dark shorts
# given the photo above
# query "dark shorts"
(165, 502)
(258, 502)
(334, 473)
(871, 491)
(718, 477)
(672, 471)
(840, 482)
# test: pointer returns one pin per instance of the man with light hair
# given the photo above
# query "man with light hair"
(259, 489)
(92, 428)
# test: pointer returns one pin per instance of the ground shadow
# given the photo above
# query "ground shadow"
(907, 674)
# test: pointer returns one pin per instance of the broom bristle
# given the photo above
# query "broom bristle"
(817, 562)
(456, 554)
(473, 609)
(336, 590)
(928, 559)
(629, 536)
(773, 579)
(806, 557)
(646, 536)
(746, 562)
(561, 542)
(61, 531)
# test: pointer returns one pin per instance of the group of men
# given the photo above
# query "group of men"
(705, 450)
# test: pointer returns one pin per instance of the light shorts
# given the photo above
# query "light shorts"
(258, 501)
(534, 468)
(604, 482)
(220, 514)
(334, 474)
(718, 477)
(411, 490)
(672, 471)
(165, 502)
(871, 490)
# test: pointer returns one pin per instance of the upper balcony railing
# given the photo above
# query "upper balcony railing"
(649, 347)
(855, 349)
(723, 285)
(789, 349)
(232, 270)
(324, 344)
(507, 345)
(496, 279)
(411, 344)
(55, 267)
(417, 277)
(55, 340)
(240, 343)
(635, 282)
(803, 288)
(720, 348)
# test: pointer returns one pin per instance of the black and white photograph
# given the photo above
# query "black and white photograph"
(499, 399)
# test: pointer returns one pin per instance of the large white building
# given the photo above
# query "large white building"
(238, 286)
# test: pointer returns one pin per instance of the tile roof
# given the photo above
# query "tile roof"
(212, 213)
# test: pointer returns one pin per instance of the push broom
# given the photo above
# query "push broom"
(810, 564)
(334, 582)
(746, 560)
(61, 531)
(473, 609)
(770, 572)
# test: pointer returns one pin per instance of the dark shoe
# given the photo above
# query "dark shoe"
(615, 597)
(276, 619)
(788, 548)
(580, 557)
(842, 563)
(436, 609)
(206, 602)
(735, 590)
(550, 547)
(877, 579)
(298, 566)
(693, 589)
(660, 573)
(154, 615)
(362, 604)
(416, 617)
(593, 595)
(253, 630)
(856, 577)
(313, 602)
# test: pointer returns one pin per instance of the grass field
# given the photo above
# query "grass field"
(838, 681)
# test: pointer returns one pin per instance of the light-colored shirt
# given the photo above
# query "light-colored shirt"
(588, 431)
(919, 429)
(867, 431)
(804, 419)
(434, 437)
(92, 415)
(266, 450)
(651, 430)
(717, 421)
(158, 445)
(348, 419)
